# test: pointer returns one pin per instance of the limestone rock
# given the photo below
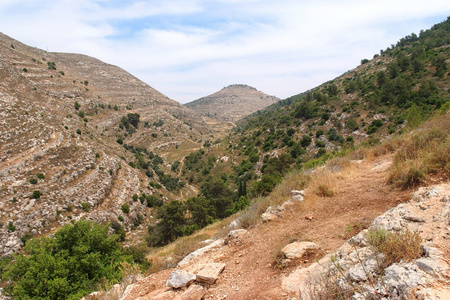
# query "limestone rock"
(200, 252)
(207, 273)
(180, 278)
(400, 278)
(297, 195)
(298, 249)
(194, 292)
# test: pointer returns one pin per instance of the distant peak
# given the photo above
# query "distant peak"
(239, 86)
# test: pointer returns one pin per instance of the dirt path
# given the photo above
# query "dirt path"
(252, 271)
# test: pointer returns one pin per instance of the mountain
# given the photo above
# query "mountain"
(232, 103)
(79, 137)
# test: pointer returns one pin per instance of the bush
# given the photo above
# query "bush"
(36, 194)
(11, 227)
(68, 265)
(51, 65)
(126, 208)
(85, 207)
(33, 180)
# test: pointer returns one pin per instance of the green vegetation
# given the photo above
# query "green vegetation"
(130, 122)
(125, 208)
(36, 195)
(72, 263)
(51, 65)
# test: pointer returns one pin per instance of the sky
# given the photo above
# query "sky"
(187, 49)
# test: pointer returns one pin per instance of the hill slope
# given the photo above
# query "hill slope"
(64, 118)
(232, 103)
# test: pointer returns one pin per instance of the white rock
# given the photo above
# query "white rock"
(180, 278)
(298, 249)
(207, 273)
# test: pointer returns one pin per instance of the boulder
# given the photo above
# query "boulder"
(180, 278)
(297, 195)
(207, 273)
(298, 249)
(202, 251)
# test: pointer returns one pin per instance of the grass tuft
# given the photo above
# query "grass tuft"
(396, 247)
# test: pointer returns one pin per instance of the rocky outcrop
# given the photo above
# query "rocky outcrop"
(355, 267)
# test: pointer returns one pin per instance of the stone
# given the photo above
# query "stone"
(194, 292)
(400, 278)
(207, 273)
(236, 235)
(200, 252)
(267, 217)
(298, 249)
(297, 195)
(357, 273)
(180, 278)
(431, 266)
(413, 219)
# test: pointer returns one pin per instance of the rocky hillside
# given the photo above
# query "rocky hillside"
(65, 119)
(232, 103)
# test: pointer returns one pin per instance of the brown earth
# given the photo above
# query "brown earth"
(252, 267)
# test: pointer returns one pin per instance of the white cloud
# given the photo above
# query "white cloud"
(188, 49)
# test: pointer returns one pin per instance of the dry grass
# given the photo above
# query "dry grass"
(322, 182)
(424, 152)
(328, 288)
(168, 256)
(396, 247)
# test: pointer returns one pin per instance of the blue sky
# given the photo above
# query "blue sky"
(192, 48)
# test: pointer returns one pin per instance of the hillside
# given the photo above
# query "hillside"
(68, 124)
(232, 103)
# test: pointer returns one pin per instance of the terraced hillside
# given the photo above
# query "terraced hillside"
(64, 118)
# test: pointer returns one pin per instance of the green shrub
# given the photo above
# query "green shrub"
(33, 180)
(68, 265)
(40, 176)
(125, 208)
(36, 194)
(11, 227)
(85, 206)
(51, 65)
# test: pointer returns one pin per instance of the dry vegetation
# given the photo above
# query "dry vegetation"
(424, 152)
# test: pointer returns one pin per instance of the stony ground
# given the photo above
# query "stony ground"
(253, 265)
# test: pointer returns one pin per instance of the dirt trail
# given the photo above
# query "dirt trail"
(251, 270)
